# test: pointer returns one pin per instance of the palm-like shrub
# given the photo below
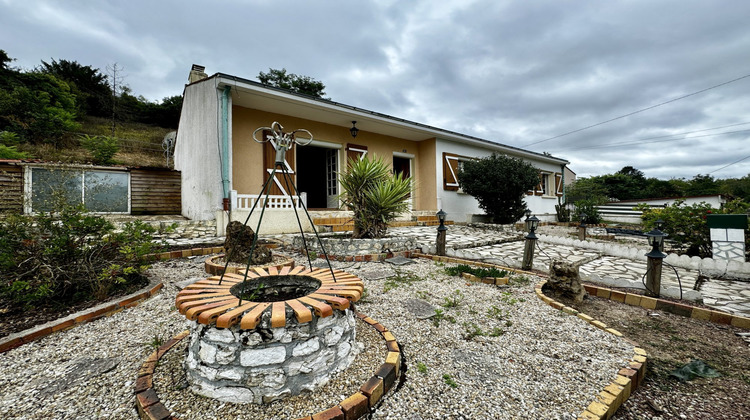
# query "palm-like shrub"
(374, 195)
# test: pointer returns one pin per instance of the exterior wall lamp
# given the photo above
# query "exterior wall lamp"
(440, 242)
(354, 130)
(655, 257)
(528, 252)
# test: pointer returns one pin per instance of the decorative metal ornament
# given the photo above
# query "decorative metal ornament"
(282, 142)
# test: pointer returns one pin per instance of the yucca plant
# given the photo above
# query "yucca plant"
(374, 195)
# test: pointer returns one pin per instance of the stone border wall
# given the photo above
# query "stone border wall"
(355, 406)
(730, 269)
(176, 229)
(343, 246)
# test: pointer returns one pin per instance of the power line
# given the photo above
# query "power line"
(639, 111)
(726, 166)
(644, 141)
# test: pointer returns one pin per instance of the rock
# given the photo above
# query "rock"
(564, 281)
(238, 243)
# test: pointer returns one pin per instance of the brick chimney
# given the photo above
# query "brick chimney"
(197, 73)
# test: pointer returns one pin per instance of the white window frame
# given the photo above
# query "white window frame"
(28, 187)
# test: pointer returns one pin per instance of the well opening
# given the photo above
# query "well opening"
(275, 288)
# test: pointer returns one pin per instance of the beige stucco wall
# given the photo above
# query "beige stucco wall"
(247, 168)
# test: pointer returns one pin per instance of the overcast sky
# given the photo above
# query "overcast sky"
(513, 72)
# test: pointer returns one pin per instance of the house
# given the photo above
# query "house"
(223, 169)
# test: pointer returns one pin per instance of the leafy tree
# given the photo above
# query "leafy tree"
(499, 183)
(38, 107)
(702, 185)
(374, 195)
(88, 84)
(293, 82)
(102, 148)
(587, 189)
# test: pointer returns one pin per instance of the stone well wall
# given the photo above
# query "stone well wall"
(339, 245)
(266, 364)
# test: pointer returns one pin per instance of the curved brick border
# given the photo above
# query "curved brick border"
(355, 406)
(216, 269)
(105, 309)
(628, 379)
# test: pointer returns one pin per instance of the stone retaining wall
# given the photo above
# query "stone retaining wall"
(346, 246)
(178, 229)
(267, 364)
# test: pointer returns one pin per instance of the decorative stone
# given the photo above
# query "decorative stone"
(308, 347)
(207, 353)
(261, 357)
(220, 335)
(564, 281)
(333, 336)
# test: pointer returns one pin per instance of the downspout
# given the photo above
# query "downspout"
(562, 181)
(225, 144)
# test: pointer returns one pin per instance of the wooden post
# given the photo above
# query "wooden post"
(440, 242)
(581, 233)
(528, 254)
(653, 277)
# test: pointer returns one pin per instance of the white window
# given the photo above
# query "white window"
(99, 191)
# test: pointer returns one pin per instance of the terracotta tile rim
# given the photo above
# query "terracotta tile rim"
(355, 406)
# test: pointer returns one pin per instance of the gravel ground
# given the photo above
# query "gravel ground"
(495, 353)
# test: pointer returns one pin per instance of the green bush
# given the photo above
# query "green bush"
(69, 256)
(686, 225)
(588, 211)
(102, 148)
(374, 195)
(499, 184)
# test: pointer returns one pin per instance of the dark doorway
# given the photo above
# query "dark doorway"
(402, 166)
(315, 171)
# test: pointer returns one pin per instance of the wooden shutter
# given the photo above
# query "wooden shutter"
(558, 184)
(450, 172)
(355, 151)
(279, 186)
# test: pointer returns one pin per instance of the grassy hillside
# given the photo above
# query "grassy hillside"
(140, 144)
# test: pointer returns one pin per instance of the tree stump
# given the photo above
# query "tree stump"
(564, 281)
(238, 243)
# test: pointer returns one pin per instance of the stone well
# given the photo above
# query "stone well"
(289, 334)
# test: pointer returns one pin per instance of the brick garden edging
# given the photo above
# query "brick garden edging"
(628, 379)
(680, 309)
(105, 309)
(355, 406)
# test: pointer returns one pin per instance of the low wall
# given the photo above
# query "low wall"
(708, 266)
(176, 229)
(344, 245)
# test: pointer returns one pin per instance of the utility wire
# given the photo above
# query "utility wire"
(604, 146)
(639, 111)
(726, 166)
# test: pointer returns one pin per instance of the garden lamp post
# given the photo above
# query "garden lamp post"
(526, 221)
(440, 243)
(655, 257)
(528, 251)
(582, 229)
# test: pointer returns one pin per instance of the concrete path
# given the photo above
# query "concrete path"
(505, 248)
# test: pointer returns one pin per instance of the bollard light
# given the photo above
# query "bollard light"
(656, 240)
(441, 217)
(533, 223)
